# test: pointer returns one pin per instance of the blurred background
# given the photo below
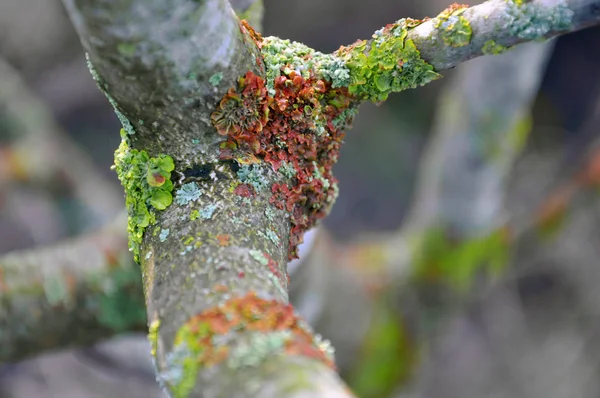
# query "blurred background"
(528, 330)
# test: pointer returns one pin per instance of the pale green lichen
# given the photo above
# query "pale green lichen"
(208, 211)
(164, 233)
(189, 192)
(490, 47)
(390, 62)
(259, 256)
(257, 348)
(278, 53)
(287, 169)
(248, 174)
(215, 79)
(454, 28)
(531, 21)
(147, 183)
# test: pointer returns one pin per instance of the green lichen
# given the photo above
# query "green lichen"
(439, 259)
(454, 29)
(389, 63)
(257, 348)
(531, 21)
(189, 192)
(287, 169)
(164, 233)
(248, 174)
(147, 183)
(153, 336)
(259, 256)
(194, 215)
(215, 79)
(490, 47)
(278, 53)
(207, 212)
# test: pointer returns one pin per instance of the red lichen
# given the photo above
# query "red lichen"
(246, 314)
(299, 125)
(244, 190)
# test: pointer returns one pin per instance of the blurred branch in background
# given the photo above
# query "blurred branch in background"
(35, 151)
(74, 293)
(534, 334)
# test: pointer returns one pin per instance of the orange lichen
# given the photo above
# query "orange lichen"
(241, 315)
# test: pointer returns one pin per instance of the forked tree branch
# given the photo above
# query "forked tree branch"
(221, 185)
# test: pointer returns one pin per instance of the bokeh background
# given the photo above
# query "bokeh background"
(540, 312)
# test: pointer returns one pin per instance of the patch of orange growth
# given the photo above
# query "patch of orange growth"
(224, 240)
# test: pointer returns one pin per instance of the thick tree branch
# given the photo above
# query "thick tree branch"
(164, 66)
(74, 293)
(213, 220)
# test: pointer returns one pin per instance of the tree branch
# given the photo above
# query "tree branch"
(213, 220)
(164, 66)
(74, 293)
(42, 154)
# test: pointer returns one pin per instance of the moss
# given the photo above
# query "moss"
(439, 259)
(389, 63)
(454, 28)
(148, 186)
(531, 21)
(490, 47)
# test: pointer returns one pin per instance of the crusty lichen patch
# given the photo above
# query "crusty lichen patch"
(243, 331)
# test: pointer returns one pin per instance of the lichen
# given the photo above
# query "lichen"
(207, 212)
(215, 79)
(490, 47)
(532, 20)
(257, 348)
(189, 192)
(454, 28)
(153, 336)
(228, 334)
(296, 129)
(390, 62)
(164, 233)
(248, 174)
(148, 186)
